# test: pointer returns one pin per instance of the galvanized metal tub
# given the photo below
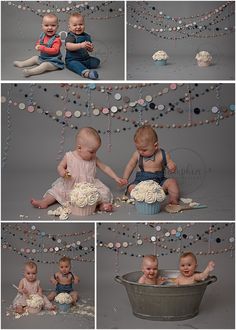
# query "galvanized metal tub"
(164, 302)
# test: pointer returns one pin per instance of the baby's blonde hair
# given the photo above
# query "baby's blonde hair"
(150, 257)
(145, 134)
(51, 15)
(188, 254)
(65, 259)
(31, 265)
(76, 14)
(88, 132)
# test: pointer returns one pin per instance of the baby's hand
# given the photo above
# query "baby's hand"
(25, 291)
(37, 47)
(171, 167)
(67, 175)
(85, 44)
(121, 181)
(211, 265)
(90, 47)
(161, 280)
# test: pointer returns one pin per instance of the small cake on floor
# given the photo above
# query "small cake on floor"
(160, 57)
(148, 195)
(204, 59)
(64, 301)
(34, 303)
(84, 198)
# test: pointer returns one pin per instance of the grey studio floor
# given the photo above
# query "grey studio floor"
(217, 309)
(16, 201)
(179, 67)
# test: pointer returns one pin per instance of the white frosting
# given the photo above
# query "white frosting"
(84, 194)
(148, 191)
(63, 298)
(160, 55)
(62, 212)
(35, 301)
(204, 56)
(186, 200)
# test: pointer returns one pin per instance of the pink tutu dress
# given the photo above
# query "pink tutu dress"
(81, 171)
(32, 287)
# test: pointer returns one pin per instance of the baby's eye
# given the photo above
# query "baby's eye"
(189, 265)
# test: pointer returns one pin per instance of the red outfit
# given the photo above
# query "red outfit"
(54, 49)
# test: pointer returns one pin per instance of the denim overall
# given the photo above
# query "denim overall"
(54, 59)
(158, 176)
(64, 288)
(80, 61)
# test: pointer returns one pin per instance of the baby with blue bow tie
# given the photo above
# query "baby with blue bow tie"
(152, 161)
(64, 280)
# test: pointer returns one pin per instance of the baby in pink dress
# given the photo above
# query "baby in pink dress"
(27, 286)
(77, 166)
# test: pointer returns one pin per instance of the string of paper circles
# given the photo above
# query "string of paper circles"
(166, 240)
(33, 244)
(130, 105)
(91, 9)
(143, 104)
(145, 16)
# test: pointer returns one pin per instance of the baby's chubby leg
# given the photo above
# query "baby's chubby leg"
(29, 62)
(171, 186)
(52, 295)
(48, 305)
(41, 68)
(75, 296)
(106, 197)
(43, 203)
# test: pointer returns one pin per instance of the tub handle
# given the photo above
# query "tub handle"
(118, 279)
(212, 279)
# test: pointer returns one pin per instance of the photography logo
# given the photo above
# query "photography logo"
(191, 170)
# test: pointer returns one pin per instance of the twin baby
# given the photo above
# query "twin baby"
(29, 284)
(80, 165)
(78, 46)
(187, 268)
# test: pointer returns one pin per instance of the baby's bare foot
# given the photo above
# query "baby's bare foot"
(41, 204)
(18, 64)
(26, 72)
(19, 309)
(173, 201)
(107, 207)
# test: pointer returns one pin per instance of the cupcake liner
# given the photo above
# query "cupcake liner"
(160, 62)
(145, 208)
(83, 211)
(203, 64)
(63, 307)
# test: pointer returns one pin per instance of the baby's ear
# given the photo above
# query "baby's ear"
(156, 144)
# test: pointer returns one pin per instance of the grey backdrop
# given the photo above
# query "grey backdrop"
(204, 154)
(217, 309)
(12, 272)
(181, 63)
(21, 30)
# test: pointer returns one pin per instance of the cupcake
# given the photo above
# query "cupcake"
(148, 195)
(203, 58)
(160, 57)
(63, 301)
(83, 199)
(34, 303)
